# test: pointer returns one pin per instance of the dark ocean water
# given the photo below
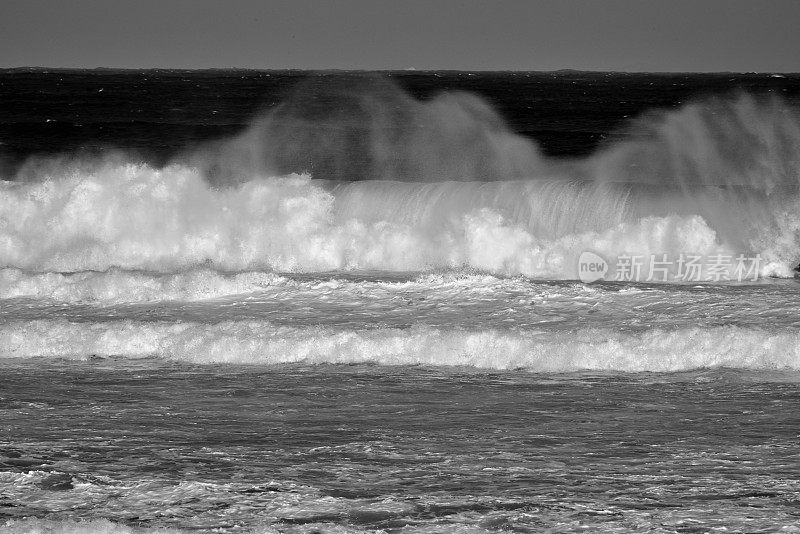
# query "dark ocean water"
(160, 113)
(339, 302)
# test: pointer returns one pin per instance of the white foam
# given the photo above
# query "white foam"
(115, 285)
(550, 350)
(138, 218)
(94, 526)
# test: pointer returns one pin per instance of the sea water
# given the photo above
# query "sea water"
(293, 302)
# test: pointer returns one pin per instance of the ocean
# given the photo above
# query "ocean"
(248, 301)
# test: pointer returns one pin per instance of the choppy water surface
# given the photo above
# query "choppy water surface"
(121, 414)
(295, 448)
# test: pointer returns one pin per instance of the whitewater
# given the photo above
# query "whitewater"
(366, 310)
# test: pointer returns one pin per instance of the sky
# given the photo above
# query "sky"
(610, 35)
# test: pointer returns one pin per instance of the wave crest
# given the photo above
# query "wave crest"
(169, 220)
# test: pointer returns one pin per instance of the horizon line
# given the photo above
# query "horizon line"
(393, 70)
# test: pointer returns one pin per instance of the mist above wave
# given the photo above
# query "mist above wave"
(741, 142)
(367, 128)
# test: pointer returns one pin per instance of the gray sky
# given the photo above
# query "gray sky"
(630, 35)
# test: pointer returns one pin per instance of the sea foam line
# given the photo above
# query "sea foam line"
(263, 343)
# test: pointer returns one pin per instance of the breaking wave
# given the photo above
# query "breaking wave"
(132, 216)
(356, 175)
(261, 342)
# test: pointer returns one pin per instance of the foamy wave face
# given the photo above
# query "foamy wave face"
(133, 216)
(136, 217)
(259, 342)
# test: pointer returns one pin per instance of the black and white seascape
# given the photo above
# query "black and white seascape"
(246, 301)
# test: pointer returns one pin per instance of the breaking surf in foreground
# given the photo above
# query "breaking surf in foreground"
(367, 311)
